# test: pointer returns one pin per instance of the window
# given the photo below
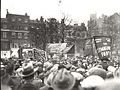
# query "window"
(5, 46)
(4, 34)
(26, 20)
(4, 26)
(19, 35)
(21, 27)
(13, 34)
(19, 19)
(14, 45)
(26, 28)
(25, 35)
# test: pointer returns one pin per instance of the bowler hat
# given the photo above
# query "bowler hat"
(28, 71)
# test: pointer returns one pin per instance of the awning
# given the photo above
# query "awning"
(67, 49)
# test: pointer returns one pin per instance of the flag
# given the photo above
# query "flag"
(103, 46)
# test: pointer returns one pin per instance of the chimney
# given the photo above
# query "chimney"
(25, 14)
(7, 11)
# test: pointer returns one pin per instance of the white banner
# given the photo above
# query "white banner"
(5, 54)
(14, 52)
(56, 48)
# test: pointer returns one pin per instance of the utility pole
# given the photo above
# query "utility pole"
(62, 30)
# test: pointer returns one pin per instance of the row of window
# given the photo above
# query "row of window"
(19, 27)
(7, 45)
(4, 26)
(20, 35)
(15, 35)
(16, 45)
(20, 19)
(71, 34)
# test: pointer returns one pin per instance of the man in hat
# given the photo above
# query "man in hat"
(105, 63)
(65, 80)
(60, 80)
(28, 76)
(92, 82)
(110, 84)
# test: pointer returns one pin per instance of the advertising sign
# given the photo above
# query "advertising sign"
(56, 48)
(103, 46)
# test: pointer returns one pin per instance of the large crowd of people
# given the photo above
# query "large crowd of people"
(65, 74)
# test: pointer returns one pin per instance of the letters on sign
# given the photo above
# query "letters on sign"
(103, 46)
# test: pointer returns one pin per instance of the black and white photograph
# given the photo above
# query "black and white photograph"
(60, 44)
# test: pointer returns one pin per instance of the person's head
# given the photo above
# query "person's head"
(28, 86)
(117, 72)
(91, 82)
(110, 75)
(110, 84)
(5, 79)
(97, 71)
(3, 70)
(10, 68)
(28, 72)
(105, 59)
(63, 80)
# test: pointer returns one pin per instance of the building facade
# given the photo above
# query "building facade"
(14, 31)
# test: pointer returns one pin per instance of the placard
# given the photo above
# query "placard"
(88, 47)
(103, 46)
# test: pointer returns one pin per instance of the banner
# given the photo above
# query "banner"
(103, 46)
(34, 53)
(40, 55)
(56, 47)
(14, 52)
(5, 54)
(88, 50)
(27, 53)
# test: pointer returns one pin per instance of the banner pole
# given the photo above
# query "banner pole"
(92, 48)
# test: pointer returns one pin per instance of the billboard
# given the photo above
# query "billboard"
(56, 47)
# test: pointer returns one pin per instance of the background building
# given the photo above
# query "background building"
(14, 31)
(106, 26)
(76, 35)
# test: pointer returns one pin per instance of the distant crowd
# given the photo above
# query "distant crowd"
(65, 74)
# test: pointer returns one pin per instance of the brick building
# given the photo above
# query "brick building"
(14, 31)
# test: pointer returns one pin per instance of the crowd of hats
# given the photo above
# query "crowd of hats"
(61, 76)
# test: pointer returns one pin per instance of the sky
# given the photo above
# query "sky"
(77, 10)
